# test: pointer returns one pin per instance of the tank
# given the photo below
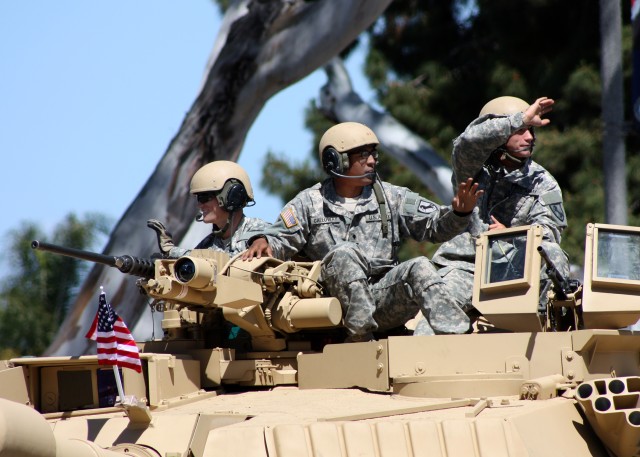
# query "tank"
(252, 363)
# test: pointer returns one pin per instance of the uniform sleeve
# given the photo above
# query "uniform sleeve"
(424, 220)
(288, 235)
(474, 146)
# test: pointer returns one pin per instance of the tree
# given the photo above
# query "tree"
(262, 47)
(35, 295)
(613, 150)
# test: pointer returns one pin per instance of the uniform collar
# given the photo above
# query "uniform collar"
(330, 197)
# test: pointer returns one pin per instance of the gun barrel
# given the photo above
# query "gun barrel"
(126, 263)
(75, 253)
(544, 255)
(560, 283)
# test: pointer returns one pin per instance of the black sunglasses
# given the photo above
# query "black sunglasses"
(205, 197)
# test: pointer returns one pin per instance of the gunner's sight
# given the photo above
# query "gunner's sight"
(185, 269)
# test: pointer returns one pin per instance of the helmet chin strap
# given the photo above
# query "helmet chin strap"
(229, 223)
(221, 231)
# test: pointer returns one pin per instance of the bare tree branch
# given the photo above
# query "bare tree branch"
(262, 47)
(338, 101)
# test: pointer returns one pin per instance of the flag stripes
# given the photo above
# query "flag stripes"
(116, 345)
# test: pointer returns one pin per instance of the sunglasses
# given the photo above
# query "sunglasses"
(205, 197)
(365, 154)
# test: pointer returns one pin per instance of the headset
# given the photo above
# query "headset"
(337, 164)
(233, 196)
(334, 162)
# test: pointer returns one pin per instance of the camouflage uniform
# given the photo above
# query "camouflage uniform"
(236, 244)
(526, 196)
(360, 265)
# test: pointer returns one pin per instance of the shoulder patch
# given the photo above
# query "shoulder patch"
(289, 218)
(553, 201)
(426, 207)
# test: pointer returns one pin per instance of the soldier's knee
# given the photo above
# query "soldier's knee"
(421, 272)
(343, 264)
(343, 252)
(423, 266)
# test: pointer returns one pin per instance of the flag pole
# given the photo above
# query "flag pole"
(116, 373)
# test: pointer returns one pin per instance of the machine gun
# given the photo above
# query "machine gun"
(268, 298)
(562, 286)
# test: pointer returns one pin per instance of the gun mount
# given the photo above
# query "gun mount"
(518, 385)
(267, 298)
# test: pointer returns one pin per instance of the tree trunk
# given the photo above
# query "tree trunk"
(613, 149)
(338, 101)
(263, 46)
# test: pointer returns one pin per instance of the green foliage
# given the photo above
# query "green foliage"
(39, 287)
(282, 178)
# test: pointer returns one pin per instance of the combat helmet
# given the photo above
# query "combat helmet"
(227, 180)
(505, 105)
(340, 139)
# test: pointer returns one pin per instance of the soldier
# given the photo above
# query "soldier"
(222, 189)
(354, 223)
(496, 149)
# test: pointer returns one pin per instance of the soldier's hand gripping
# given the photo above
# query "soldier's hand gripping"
(165, 240)
(258, 248)
(467, 197)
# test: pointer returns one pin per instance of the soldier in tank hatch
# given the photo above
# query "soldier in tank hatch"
(222, 189)
(496, 150)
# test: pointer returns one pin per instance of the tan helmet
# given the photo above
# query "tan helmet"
(346, 136)
(504, 106)
(228, 180)
(339, 139)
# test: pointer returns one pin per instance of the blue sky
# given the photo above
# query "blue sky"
(92, 93)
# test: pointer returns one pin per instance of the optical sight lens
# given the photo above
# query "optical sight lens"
(185, 270)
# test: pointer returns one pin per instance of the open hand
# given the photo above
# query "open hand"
(467, 197)
(533, 114)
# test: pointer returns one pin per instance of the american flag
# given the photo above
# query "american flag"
(289, 218)
(116, 346)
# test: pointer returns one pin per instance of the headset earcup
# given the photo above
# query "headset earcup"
(331, 160)
(233, 196)
(334, 162)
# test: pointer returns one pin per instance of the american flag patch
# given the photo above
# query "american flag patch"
(289, 218)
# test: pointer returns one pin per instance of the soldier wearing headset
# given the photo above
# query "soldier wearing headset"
(354, 223)
(222, 189)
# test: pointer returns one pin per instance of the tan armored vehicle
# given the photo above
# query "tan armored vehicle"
(555, 376)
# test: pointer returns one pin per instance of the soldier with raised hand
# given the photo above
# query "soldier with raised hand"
(354, 223)
(222, 190)
(496, 150)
